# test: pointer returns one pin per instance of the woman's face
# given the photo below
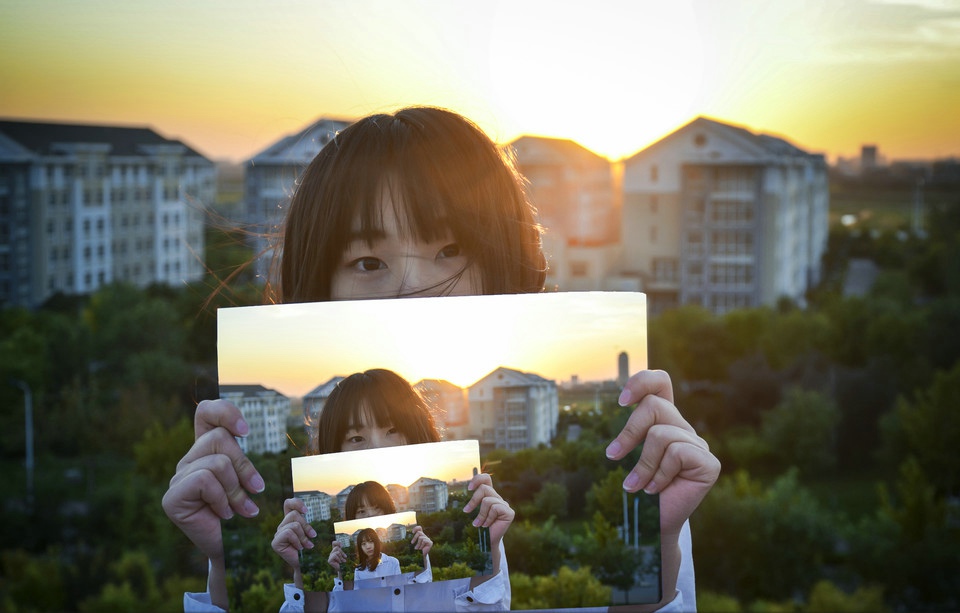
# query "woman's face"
(368, 547)
(366, 434)
(365, 509)
(397, 265)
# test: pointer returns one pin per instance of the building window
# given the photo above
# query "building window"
(653, 203)
(654, 173)
(578, 269)
(700, 140)
(653, 234)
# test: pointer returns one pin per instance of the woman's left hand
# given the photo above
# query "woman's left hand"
(420, 541)
(495, 512)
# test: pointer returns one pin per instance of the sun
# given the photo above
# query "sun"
(612, 84)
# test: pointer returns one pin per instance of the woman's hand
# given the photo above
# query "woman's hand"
(214, 479)
(420, 541)
(294, 533)
(495, 512)
(675, 462)
(336, 557)
(213, 482)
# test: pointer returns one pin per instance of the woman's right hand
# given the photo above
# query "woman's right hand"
(214, 479)
(294, 533)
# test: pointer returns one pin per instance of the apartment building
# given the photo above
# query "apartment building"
(84, 205)
(270, 178)
(428, 495)
(447, 402)
(573, 190)
(718, 216)
(318, 505)
(511, 410)
(265, 411)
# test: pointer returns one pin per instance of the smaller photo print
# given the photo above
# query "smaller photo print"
(389, 511)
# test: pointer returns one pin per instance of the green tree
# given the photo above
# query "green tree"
(931, 429)
(742, 525)
(537, 549)
(613, 562)
(606, 496)
(550, 501)
(568, 588)
(802, 431)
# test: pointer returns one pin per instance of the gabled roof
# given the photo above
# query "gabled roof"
(324, 389)
(524, 377)
(41, 137)
(248, 390)
(302, 146)
(760, 145)
(547, 150)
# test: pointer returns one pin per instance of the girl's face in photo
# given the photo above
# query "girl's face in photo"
(368, 435)
(365, 509)
(396, 264)
(368, 547)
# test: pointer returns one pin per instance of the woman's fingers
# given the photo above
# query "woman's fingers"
(667, 450)
(295, 511)
(213, 414)
(212, 479)
(652, 393)
(238, 468)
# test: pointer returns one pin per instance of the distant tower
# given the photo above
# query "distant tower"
(623, 368)
(868, 158)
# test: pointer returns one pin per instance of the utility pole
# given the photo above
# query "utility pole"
(28, 432)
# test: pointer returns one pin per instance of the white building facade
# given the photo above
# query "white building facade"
(512, 410)
(265, 411)
(82, 206)
(717, 216)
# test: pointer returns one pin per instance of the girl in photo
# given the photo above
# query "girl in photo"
(371, 562)
(367, 499)
(422, 203)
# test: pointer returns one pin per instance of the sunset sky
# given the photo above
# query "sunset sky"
(331, 473)
(293, 348)
(229, 78)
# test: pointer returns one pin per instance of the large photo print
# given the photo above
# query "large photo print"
(499, 407)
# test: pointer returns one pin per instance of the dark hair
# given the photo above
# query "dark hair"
(444, 174)
(373, 494)
(363, 562)
(382, 393)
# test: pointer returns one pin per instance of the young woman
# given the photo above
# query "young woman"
(371, 562)
(421, 203)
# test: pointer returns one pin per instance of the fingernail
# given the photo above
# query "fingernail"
(632, 482)
(310, 544)
(476, 523)
(625, 397)
(256, 482)
(613, 449)
(651, 488)
(242, 428)
(312, 533)
(250, 508)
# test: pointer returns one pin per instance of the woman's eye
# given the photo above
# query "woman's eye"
(355, 439)
(450, 251)
(368, 264)
(392, 431)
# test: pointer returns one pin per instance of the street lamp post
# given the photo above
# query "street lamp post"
(28, 432)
